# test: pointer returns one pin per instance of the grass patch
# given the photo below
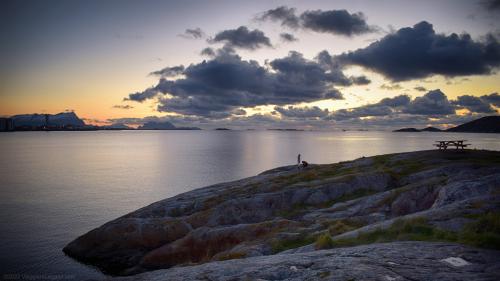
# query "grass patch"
(324, 241)
(410, 167)
(484, 233)
(232, 256)
(293, 212)
(311, 174)
(293, 243)
(324, 274)
(344, 225)
(382, 160)
(415, 230)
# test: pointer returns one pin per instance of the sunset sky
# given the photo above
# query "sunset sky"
(304, 64)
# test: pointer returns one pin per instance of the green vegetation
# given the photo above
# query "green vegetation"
(286, 244)
(408, 167)
(324, 241)
(324, 274)
(314, 173)
(414, 229)
(381, 160)
(295, 211)
(232, 256)
(483, 232)
(344, 225)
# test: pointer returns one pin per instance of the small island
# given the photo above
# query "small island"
(423, 213)
(487, 124)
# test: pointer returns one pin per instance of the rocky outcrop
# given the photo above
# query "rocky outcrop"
(387, 262)
(275, 220)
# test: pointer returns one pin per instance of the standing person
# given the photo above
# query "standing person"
(298, 159)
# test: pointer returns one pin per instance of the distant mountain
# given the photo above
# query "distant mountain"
(165, 125)
(431, 129)
(117, 126)
(63, 119)
(157, 126)
(488, 124)
(412, 130)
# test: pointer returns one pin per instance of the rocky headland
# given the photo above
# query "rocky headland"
(425, 215)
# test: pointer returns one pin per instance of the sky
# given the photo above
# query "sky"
(253, 64)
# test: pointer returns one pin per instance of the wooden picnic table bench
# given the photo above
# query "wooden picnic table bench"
(458, 144)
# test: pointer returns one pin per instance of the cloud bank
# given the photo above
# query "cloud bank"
(194, 33)
(242, 38)
(216, 87)
(419, 52)
(288, 37)
(433, 108)
(337, 22)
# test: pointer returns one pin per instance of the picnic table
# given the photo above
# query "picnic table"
(458, 144)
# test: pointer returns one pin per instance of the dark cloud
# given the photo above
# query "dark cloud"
(326, 61)
(391, 87)
(491, 4)
(334, 94)
(149, 93)
(418, 52)
(195, 33)
(226, 50)
(397, 101)
(287, 37)
(475, 104)
(397, 121)
(243, 38)
(286, 16)
(239, 111)
(169, 71)
(216, 87)
(433, 103)
(361, 80)
(301, 112)
(339, 22)
(209, 52)
(388, 113)
(119, 106)
(420, 89)
(493, 99)
(384, 107)
(482, 104)
(432, 109)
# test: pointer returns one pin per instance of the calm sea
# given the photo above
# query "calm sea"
(55, 186)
